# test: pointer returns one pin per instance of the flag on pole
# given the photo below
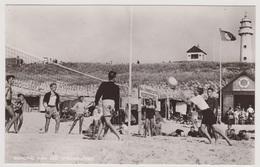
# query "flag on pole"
(227, 36)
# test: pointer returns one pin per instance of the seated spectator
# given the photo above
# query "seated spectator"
(157, 127)
(243, 135)
(233, 135)
(177, 133)
(192, 132)
(123, 128)
(200, 134)
(158, 116)
(194, 117)
(228, 133)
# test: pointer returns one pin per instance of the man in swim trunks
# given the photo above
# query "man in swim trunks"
(9, 111)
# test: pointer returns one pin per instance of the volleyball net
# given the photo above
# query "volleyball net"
(34, 75)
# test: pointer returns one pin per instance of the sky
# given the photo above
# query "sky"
(153, 34)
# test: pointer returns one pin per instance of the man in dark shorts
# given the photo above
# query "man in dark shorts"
(9, 111)
(110, 94)
(51, 103)
(212, 101)
(209, 118)
(213, 105)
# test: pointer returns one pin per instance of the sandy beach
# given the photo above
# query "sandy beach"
(31, 146)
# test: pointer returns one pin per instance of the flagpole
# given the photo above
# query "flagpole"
(220, 76)
(214, 58)
(130, 73)
(224, 36)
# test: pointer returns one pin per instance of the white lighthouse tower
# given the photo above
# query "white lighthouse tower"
(246, 33)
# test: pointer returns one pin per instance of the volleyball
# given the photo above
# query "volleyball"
(172, 81)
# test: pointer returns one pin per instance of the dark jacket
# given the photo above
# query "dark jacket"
(212, 102)
(47, 99)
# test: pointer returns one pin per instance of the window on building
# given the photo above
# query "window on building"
(194, 56)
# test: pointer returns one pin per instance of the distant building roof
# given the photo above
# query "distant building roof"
(243, 73)
(195, 49)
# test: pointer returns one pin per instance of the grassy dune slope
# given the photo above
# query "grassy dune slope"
(185, 72)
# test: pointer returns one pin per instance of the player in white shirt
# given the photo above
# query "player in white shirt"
(209, 118)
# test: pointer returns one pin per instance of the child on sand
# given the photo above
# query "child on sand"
(192, 132)
(194, 116)
(97, 114)
(123, 128)
(242, 135)
(158, 127)
(227, 132)
(177, 133)
(233, 135)
(209, 118)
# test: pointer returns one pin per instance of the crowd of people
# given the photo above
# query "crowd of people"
(240, 115)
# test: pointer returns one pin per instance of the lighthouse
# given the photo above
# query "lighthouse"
(246, 33)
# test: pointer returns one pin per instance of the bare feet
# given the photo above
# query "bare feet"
(99, 138)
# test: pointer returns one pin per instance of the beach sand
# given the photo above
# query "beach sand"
(31, 146)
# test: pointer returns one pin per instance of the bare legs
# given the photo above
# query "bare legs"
(18, 123)
(108, 123)
(149, 126)
(73, 124)
(47, 124)
(107, 127)
(215, 130)
(81, 119)
(48, 120)
(10, 111)
(203, 130)
(57, 126)
(219, 131)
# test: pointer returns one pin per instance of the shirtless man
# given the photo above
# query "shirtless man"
(9, 111)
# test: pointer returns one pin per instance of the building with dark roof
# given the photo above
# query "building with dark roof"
(239, 92)
(196, 54)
